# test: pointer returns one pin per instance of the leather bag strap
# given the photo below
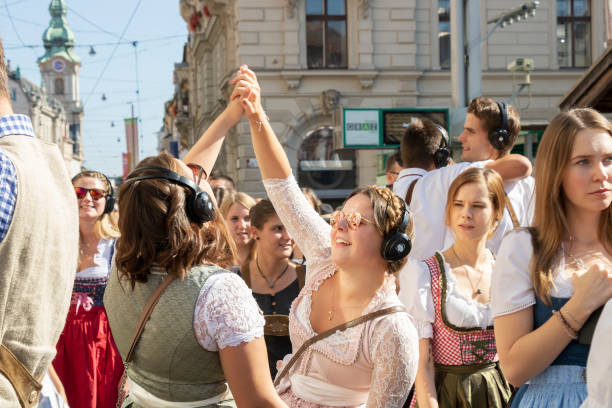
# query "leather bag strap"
(408, 198)
(327, 333)
(25, 385)
(513, 216)
(147, 313)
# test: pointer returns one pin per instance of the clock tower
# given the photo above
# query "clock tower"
(59, 69)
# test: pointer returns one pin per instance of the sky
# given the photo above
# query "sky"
(116, 70)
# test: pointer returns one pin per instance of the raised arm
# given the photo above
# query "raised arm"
(206, 150)
(306, 227)
(270, 154)
(511, 167)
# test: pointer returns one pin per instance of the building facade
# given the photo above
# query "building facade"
(315, 57)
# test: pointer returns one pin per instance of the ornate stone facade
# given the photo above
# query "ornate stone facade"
(393, 62)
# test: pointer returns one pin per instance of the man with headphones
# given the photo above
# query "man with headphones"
(423, 148)
(490, 130)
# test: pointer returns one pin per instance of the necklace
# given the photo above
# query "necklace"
(475, 291)
(270, 284)
(332, 310)
(575, 261)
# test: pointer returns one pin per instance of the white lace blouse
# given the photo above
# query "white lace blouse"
(511, 285)
(415, 293)
(226, 313)
(374, 363)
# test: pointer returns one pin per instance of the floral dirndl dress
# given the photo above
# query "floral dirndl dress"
(467, 372)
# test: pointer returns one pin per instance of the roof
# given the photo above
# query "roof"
(58, 38)
(594, 88)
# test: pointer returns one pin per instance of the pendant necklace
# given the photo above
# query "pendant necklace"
(475, 292)
(576, 261)
(272, 283)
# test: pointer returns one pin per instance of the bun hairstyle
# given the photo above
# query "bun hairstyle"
(106, 227)
(494, 183)
(549, 218)
(156, 229)
(388, 216)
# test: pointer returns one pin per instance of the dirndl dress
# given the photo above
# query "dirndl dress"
(466, 365)
(563, 383)
(88, 362)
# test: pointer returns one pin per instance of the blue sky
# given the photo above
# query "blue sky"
(160, 32)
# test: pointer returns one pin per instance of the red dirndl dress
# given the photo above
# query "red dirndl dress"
(465, 359)
(88, 362)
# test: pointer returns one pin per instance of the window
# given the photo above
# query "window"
(326, 33)
(14, 95)
(573, 33)
(330, 172)
(59, 86)
(444, 33)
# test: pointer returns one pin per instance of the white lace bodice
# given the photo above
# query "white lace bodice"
(379, 357)
(226, 313)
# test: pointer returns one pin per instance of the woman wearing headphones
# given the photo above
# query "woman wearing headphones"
(87, 361)
(448, 295)
(372, 363)
(202, 344)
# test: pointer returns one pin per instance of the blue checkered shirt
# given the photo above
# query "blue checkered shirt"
(10, 125)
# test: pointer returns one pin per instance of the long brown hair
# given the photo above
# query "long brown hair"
(388, 209)
(550, 219)
(155, 229)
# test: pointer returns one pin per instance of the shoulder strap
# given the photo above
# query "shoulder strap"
(147, 312)
(408, 198)
(327, 333)
(245, 272)
(300, 271)
(25, 385)
(515, 222)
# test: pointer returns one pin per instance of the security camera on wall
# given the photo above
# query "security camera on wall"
(521, 65)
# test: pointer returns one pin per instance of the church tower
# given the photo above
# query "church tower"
(59, 69)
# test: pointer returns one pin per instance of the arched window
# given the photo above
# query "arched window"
(331, 173)
(58, 86)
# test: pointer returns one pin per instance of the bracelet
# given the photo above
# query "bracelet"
(568, 329)
(260, 123)
(573, 319)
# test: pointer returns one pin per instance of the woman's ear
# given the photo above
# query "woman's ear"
(254, 233)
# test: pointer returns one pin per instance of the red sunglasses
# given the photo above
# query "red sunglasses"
(95, 193)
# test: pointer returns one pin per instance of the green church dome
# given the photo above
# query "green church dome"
(58, 38)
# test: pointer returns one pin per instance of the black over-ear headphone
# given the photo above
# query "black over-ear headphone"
(110, 194)
(499, 137)
(397, 244)
(442, 156)
(199, 206)
(110, 197)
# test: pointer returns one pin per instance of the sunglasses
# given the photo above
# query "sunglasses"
(353, 219)
(95, 193)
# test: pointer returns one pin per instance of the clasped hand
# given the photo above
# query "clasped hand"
(246, 96)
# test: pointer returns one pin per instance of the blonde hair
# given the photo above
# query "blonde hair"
(490, 179)
(106, 226)
(550, 219)
(388, 209)
(236, 197)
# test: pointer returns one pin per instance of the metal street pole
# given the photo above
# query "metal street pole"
(474, 56)
(457, 38)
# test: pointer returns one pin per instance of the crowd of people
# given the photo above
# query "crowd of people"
(468, 284)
